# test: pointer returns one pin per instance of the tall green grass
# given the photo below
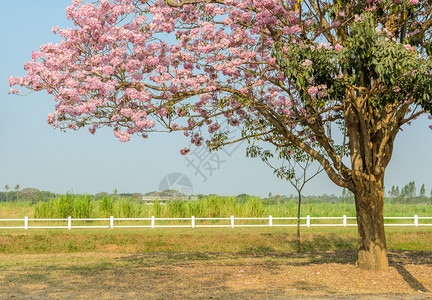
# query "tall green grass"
(65, 206)
(125, 208)
(85, 206)
(106, 207)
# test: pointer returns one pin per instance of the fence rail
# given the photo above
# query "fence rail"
(194, 222)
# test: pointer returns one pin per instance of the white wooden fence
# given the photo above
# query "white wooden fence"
(194, 222)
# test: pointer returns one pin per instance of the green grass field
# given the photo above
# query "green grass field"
(237, 240)
(276, 239)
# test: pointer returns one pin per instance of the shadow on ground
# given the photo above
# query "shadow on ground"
(215, 275)
(396, 258)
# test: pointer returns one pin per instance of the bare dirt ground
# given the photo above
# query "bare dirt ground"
(317, 275)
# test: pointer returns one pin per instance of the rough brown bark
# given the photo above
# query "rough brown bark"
(298, 222)
(369, 198)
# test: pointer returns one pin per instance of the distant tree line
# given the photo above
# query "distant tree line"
(408, 194)
(25, 195)
(346, 197)
(404, 195)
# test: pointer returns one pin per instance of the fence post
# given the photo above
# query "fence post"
(416, 220)
(26, 222)
(232, 221)
(69, 222)
(152, 222)
(270, 221)
(112, 222)
(344, 220)
(193, 221)
(308, 224)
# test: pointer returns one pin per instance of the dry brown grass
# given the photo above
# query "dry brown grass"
(211, 275)
(247, 263)
(15, 210)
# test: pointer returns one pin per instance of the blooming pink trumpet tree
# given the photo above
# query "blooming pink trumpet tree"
(290, 73)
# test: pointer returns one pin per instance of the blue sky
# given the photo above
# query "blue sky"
(32, 154)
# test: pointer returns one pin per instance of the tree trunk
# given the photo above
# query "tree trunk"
(298, 222)
(372, 249)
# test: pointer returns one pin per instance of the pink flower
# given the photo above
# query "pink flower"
(123, 136)
(107, 70)
(87, 10)
(324, 45)
(115, 61)
(35, 55)
(14, 91)
(413, 2)
(338, 47)
(313, 90)
(409, 47)
(55, 29)
(307, 63)
(291, 30)
(214, 127)
(244, 90)
(184, 151)
(50, 119)
(12, 80)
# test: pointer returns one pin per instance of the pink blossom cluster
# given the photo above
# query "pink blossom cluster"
(319, 91)
(14, 91)
(213, 127)
(197, 139)
(132, 65)
(307, 63)
(409, 47)
(115, 73)
(185, 151)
